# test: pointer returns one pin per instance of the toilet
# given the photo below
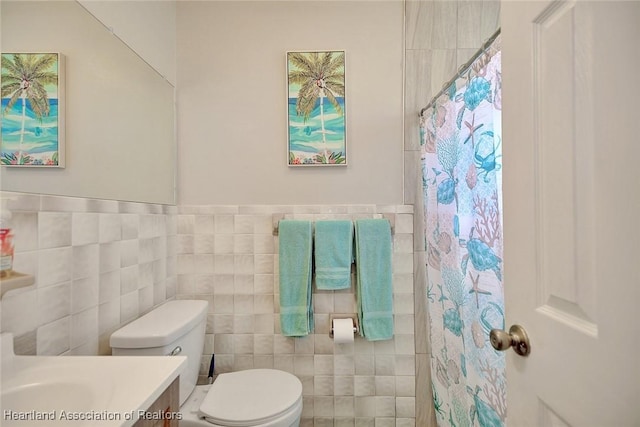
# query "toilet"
(249, 398)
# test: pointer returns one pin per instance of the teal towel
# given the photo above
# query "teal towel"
(333, 254)
(296, 311)
(374, 279)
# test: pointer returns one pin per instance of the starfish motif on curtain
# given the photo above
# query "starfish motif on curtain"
(475, 289)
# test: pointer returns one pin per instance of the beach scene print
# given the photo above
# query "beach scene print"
(30, 128)
(316, 115)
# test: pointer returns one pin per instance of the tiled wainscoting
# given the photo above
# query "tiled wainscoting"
(102, 263)
(98, 264)
(228, 256)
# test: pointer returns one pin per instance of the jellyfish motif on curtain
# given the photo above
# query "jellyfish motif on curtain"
(461, 164)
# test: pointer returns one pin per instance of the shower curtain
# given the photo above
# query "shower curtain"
(461, 166)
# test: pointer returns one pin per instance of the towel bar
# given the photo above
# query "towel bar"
(391, 217)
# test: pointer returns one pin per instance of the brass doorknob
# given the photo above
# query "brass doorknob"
(516, 337)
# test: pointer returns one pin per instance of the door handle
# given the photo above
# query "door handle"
(517, 338)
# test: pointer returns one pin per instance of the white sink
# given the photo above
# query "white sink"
(80, 390)
(49, 396)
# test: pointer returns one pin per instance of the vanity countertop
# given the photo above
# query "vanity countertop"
(78, 391)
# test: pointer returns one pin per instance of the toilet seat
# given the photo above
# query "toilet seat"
(252, 397)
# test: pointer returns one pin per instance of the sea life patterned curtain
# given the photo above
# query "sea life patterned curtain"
(462, 180)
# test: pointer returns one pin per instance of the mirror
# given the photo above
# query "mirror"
(119, 116)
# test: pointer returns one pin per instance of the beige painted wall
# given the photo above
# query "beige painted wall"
(232, 103)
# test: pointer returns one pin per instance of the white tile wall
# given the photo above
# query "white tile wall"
(228, 256)
(98, 264)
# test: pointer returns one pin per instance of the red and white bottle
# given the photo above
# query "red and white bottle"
(6, 242)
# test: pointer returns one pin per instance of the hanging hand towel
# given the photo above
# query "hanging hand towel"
(296, 312)
(333, 254)
(374, 278)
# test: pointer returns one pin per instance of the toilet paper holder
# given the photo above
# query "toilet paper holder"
(353, 318)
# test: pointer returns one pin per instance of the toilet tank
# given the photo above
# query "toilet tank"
(176, 327)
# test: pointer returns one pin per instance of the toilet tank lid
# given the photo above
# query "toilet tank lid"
(161, 326)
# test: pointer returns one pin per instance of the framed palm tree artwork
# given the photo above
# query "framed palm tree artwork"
(32, 131)
(316, 108)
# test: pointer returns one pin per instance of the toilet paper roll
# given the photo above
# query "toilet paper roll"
(342, 331)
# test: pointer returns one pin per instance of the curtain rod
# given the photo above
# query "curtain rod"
(461, 70)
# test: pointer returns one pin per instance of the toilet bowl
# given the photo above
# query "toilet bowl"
(255, 397)
(249, 398)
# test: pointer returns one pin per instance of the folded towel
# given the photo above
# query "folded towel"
(296, 311)
(333, 249)
(374, 279)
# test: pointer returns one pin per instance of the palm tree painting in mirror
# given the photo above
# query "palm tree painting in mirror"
(316, 114)
(32, 130)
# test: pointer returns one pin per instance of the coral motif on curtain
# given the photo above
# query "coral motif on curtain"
(462, 180)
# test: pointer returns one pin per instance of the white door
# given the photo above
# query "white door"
(571, 176)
